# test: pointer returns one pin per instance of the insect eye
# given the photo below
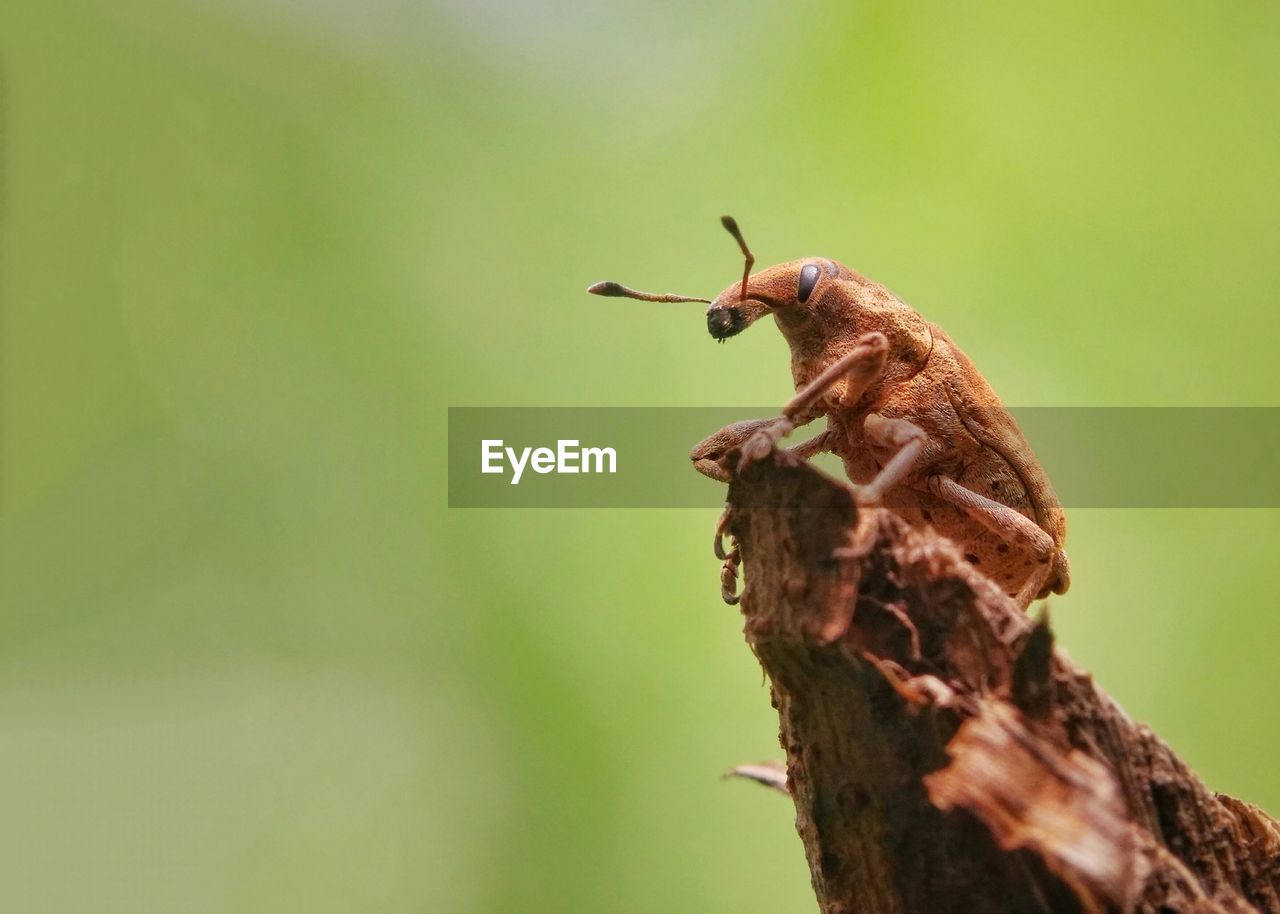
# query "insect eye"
(808, 279)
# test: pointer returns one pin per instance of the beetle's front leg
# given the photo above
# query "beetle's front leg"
(730, 558)
(860, 367)
(708, 458)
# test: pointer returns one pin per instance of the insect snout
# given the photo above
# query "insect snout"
(724, 322)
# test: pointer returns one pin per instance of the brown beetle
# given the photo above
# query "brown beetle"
(917, 426)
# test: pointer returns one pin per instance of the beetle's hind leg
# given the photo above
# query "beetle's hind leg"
(1011, 526)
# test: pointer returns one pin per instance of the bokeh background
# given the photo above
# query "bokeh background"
(250, 661)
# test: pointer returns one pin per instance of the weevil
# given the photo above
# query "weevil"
(918, 428)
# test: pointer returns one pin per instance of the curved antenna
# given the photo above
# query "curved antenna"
(731, 226)
(617, 290)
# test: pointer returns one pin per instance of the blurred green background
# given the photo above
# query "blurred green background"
(249, 661)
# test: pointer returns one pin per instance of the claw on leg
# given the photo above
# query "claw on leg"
(722, 527)
(730, 558)
(729, 580)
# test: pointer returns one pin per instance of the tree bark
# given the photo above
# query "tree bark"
(942, 754)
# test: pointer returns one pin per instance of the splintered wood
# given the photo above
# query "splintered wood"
(942, 755)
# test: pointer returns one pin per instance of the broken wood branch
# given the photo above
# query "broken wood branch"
(942, 754)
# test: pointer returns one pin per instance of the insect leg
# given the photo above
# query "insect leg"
(907, 438)
(1006, 523)
(730, 558)
(707, 456)
(729, 579)
(818, 444)
(860, 367)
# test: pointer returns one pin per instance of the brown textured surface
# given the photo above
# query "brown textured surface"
(928, 381)
(942, 756)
